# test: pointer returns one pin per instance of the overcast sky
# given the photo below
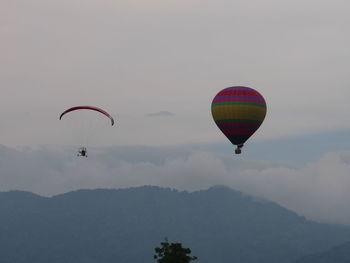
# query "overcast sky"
(155, 66)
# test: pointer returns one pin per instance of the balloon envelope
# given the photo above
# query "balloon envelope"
(238, 112)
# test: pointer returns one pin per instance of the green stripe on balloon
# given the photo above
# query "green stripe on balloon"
(238, 103)
(238, 120)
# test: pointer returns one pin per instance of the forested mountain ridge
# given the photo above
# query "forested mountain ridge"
(338, 254)
(125, 225)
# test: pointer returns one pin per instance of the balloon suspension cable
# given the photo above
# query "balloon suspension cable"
(238, 150)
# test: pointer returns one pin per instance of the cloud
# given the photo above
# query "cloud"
(161, 114)
(318, 190)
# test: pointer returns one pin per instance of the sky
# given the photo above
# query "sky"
(156, 66)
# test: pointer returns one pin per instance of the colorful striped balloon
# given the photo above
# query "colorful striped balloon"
(238, 112)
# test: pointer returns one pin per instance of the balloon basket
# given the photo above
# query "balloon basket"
(238, 151)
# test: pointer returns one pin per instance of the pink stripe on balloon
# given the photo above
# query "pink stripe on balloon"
(237, 131)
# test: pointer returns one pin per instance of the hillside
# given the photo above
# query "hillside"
(219, 225)
(338, 254)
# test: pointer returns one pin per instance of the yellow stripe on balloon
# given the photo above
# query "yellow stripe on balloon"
(238, 112)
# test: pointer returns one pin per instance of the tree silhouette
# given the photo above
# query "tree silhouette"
(173, 253)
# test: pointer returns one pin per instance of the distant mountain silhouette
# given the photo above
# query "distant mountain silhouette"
(338, 254)
(124, 226)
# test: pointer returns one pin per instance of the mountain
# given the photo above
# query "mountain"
(125, 225)
(338, 254)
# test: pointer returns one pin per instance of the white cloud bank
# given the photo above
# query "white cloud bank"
(319, 190)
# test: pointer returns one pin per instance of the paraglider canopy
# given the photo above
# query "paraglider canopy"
(88, 108)
(86, 127)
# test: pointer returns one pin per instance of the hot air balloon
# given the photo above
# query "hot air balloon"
(82, 151)
(238, 112)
